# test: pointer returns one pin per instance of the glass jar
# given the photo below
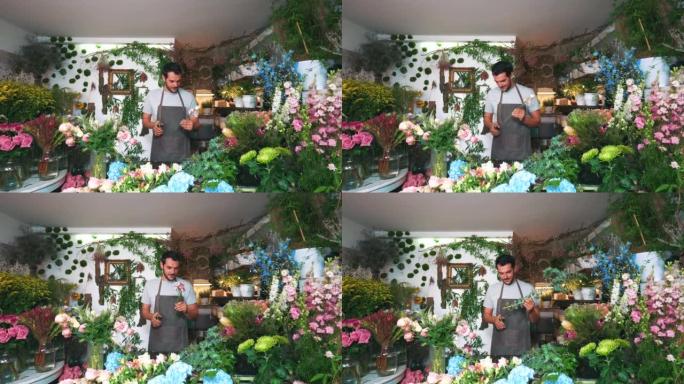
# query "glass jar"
(9, 177)
(439, 163)
(438, 358)
(48, 166)
(99, 165)
(45, 357)
(96, 356)
(350, 372)
(386, 362)
(8, 372)
(351, 175)
(388, 165)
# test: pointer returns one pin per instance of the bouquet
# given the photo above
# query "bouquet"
(88, 326)
(40, 321)
(11, 332)
(44, 130)
(13, 141)
(145, 178)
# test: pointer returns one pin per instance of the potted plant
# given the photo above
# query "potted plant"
(377, 56)
(233, 92)
(204, 297)
(574, 283)
(44, 130)
(246, 285)
(249, 99)
(41, 323)
(590, 94)
(232, 282)
(207, 107)
(548, 106)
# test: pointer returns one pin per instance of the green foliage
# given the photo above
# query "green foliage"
(211, 353)
(483, 52)
(148, 249)
(314, 211)
(36, 59)
(551, 358)
(658, 18)
(64, 99)
(372, 253)
(150, 58)
(213, 165)
(315, 175)
(403, 98)
(364, 100)
(245, 127)
(131, 110)
(273, 167)
(22, 102)
(242, 315)
(21, 293)
(558, 161)
(587, 124)
(31, 248)
(60, 290)
(311, 23)
(584, 319)
(362, 297)
(480, 248)
(377, 56)
(401, 294)
(98, 328)
(652, 212)
(311, 360)
(472, 109)
(653, 361)
(129, 298)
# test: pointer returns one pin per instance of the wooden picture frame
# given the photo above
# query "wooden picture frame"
(461, 80)
(121, 81)
(117, 272)
(460, 275)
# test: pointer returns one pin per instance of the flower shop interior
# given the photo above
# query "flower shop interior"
(605, 278)
(74, 77)
(605, 77)
(262, 271)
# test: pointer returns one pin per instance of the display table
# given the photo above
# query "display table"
(34, 184)
(373, 378)
(30, 376)
(376, 184)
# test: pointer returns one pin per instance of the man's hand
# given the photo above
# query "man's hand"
(186, 124)
(529, 305)
(496, 129)
(498, 323)
(158, 130)
(156, 320)
(518, 113)
(181, 307)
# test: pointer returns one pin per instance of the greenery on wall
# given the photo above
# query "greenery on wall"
(305, 218)
(639, 218)
(652, 21)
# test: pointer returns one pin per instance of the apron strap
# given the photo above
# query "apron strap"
(159, 108)
(519, 290)
(156, 298)
(502, 288)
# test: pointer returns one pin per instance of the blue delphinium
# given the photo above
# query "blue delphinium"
(563, 187)
(562, 379)
(221, 187)
(267, 263)
(178, 372)
(456, 364)
(457, 169)
(217, 376)
(116, 170)
(271, 74)
(614, 264)
(616, 68)
(113, 361)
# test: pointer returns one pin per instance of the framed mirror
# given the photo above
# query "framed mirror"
(117, 272)
(459, 275)
(461, 80)
(121, 81)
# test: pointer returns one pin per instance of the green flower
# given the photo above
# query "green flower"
(266, 155)
(587, 349)
(590, 154)
(245, 345)
(609, 153)
(608, 346)
(247, 157)
(265, 343)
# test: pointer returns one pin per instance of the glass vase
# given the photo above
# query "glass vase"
(388, 165)
(9, 177)
(48, 166)
(438, 358)
(8, 372)
(386, 362)
(96, 356)
(351, 373)
(439, 163)
(45, 358)
(351, 175)
(99, 167)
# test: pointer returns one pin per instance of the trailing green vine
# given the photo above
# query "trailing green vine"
(470, 300)
(483, 52)
(480, 248)
(140, 245)
(152, 59)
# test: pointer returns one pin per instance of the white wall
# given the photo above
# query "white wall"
(12, 37)
(352, 232)
(89, 286)
(9, 228)
(353, 35)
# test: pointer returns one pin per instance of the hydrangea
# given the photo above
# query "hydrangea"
(116, 170)
(563, 187)
(161, 379)
(113, 361)
(221, 187)
(457, 169)
(178, 372)
(520, 375)
(161, 189)
(520, 182)
(181, 182)
(456, 364)
(217, 376)
(561, 379)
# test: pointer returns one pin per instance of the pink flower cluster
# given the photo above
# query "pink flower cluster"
(14, 331)
(325, 116)
(467, 135)
(324, 303)
(352, 333)
(412, 131)
(13, 136)
(355, 136)
(665, 304)
(125, 137)
(413, 377)
(667, 110)
(71, 373)
(71, 133)
(414, 180)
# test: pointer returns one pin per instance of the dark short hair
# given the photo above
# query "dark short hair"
(504, 260)
(171, 67)
(173, 255)
(501, 67)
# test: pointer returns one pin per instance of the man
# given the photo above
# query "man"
(168, 302)
(170, 113)
(511, 334)
(510, 111)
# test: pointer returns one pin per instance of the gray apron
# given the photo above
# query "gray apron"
(515, 141)
(515, 339)
(173, 146)
(172, 335)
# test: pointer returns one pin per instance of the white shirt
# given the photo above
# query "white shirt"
(168, 288)
(529, 98)
(153, 99)
(509, 292)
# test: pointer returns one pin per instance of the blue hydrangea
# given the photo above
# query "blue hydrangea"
(520, 375)
(161, 189)
(502, 188)
(520, 182)
(178, 372)
(220, 377)
(161, 379)
(563, 187)
(113, 361)
(222, 187)
(562, 379)
(457, 169)
(456, 364)
(116, 170)
(181, 182)
(501, 381)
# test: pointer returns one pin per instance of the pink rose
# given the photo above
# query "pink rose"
(424, 332)
(4, 336)
(408, 337)
(364, 335)
(674, 140)
(91, 374)
(121, 326)
(346, 340)
(66, 333)
(22, 332)
(94, 183)
(464, 134)
(123, 135)
(70, 142)
(332, 142)
(26, 140)
(133, 142)
(85, 138)
(347, 142)
(297, 124)
(6, 143)
(316, 138)
(366, 139)
(410, 140)
(426, 136)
